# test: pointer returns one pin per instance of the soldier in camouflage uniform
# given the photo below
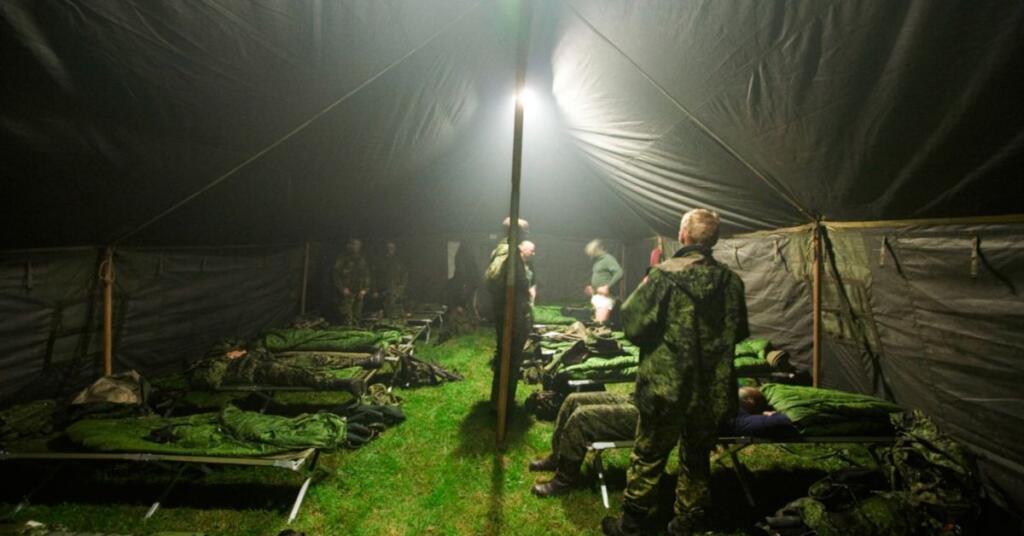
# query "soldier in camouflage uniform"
(390, 280)
(686, 319)
(583, 419)
(522, 321)
(351, 277)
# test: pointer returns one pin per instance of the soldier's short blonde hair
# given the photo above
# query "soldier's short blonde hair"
(594, 248)
(701, 226)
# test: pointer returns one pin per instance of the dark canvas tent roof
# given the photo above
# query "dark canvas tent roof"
(773, 113)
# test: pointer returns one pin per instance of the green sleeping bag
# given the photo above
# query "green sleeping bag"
(550, 314)
(757, 348)
(232, 432)
(826, 412)
(328, 340)
(604, 369)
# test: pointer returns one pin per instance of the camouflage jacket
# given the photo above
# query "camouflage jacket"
(687, 318)
(351, 272)
(496, 274)
(391, 275)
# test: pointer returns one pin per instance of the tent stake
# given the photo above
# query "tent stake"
(107, 278)
(305, 281)
(505, 366)
(816, 299)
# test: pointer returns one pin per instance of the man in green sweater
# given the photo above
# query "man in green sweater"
(605, 274)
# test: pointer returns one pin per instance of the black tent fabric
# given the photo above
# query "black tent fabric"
(156, 124)
(772, 113)
(169, 306)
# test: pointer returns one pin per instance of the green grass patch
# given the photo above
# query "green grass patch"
(437, 473)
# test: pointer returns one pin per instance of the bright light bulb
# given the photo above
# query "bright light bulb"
(525, 97)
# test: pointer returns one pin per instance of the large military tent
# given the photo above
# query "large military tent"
(208, 141)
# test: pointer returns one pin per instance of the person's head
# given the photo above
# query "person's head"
(524, 226)
(527, 249)
(699, 227)
(594, 248)
(391, 248)
(354, 245)
(751, 400)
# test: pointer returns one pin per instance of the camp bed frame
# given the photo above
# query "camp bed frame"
(425, 319)
(731, 446)
(577, 384)
(300, 461)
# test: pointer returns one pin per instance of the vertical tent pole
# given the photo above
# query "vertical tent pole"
(504, 368)
(107, 278)
(622, 282)
(816, 299)
(305, 281)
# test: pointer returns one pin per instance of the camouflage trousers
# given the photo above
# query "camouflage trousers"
(350, 308)
(391, 304)
(657, 434)
(588, 417)
(522, 324)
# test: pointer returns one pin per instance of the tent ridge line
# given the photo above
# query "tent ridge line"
(703, 128)
(965, 220)
(880, 224)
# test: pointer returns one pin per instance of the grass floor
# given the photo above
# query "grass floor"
(437, 473)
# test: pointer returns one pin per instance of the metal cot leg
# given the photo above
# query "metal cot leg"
(39, 485)
(163, 496)
(737, 468)
(599, 467)
(298, 499)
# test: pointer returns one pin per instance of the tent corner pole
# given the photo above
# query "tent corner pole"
(508, 324)
(305, 280)
(107, 279)
(816, 305)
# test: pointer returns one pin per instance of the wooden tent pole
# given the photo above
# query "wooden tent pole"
(816, 305)
(305, 281)
(505, 366)
(622, 282)
(107, 278)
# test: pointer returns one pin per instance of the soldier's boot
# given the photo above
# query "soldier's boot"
(566, 479)
(548, 463)
(630, 524)
(356, 386)
(685, 525)
(679, 527)
(375, 361)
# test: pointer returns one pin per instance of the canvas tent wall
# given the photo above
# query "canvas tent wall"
(295, 121)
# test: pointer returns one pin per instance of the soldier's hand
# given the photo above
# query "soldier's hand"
(603, 290)
(589, 290)
(346, 292)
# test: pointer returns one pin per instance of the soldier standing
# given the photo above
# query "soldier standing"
(605, 273)
(686, 319)
(522, 321)
(391, 280)
(352, 279)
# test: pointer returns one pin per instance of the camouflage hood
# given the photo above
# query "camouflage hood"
(696, 272)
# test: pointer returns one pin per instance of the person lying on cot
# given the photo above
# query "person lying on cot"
(602, 416)
(233, 363)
